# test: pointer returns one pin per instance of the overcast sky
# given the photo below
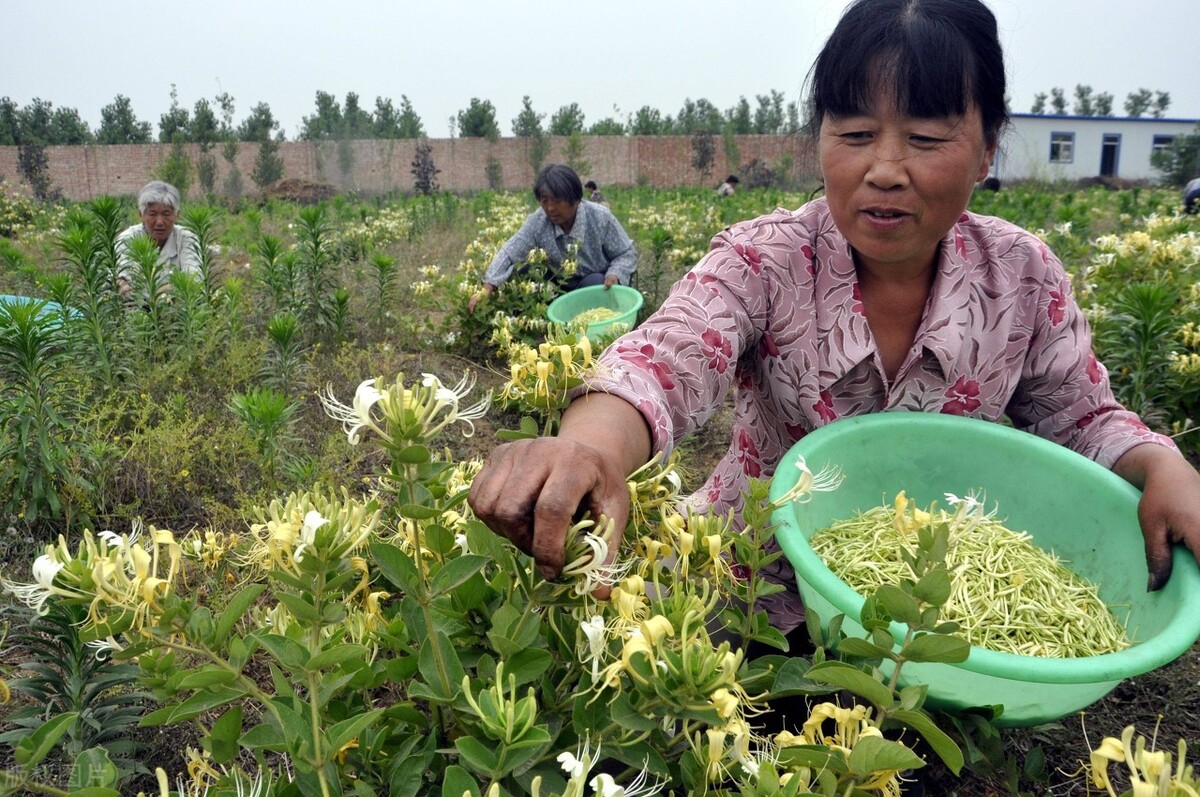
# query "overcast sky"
(611, 56)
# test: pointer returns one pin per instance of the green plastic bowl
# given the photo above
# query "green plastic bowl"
(624, 300)
(1080, 510)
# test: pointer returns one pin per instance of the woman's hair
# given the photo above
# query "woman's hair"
(933, 57)
(559, 182)
(157, 192)
(590, 185)
(733, 179)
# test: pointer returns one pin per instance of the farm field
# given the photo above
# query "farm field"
(268, 581)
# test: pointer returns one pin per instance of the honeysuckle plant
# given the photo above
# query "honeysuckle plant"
(384, 641)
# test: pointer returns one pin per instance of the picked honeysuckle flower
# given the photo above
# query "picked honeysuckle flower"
(358, 415)
(828, 478)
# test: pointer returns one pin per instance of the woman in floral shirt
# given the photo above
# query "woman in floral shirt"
(884, 295)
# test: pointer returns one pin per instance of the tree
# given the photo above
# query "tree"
(10, 132)
(1162, 101)
(119, 125)
(34, 122)
(528, 123)
(768, 115)
(699, 116)
(1104, 104)
(356, 122)
(737, 118)
(703, 152)
(1058, 101)
(478, 120)
(260, 125)
(326, 123)
(1180, 161)
(1083, 101)
(174, 122)
(423, 169)
(567, 120)
(1138, 102)
(268, 166)
(1039, 103)
(608, 126)
(205, 131)
(575, 153)
(410, 124)
(647, 122)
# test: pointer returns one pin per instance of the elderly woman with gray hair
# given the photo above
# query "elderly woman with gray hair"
(178, 248)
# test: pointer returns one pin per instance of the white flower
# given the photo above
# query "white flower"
(577, 764)
(597, 641)
(830, 478)
(604, 786)
(308, 532)
(358, 416)
(460, 540)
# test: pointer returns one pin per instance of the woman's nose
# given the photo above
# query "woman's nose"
(888, 168)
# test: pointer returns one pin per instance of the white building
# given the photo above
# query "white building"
(1054, 148)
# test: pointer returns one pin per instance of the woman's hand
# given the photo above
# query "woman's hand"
(1169, 511)
(487, 290)
(532, 491)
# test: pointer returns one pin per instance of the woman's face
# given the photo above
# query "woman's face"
(158, 220)
(896, 184)
(560, 211)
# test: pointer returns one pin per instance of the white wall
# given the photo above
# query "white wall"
(1025, 147)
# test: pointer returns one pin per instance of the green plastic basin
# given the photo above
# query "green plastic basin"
(1080, 510)
(624, 300)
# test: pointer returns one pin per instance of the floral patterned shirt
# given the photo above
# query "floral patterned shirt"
(774, 311)
(599, 242)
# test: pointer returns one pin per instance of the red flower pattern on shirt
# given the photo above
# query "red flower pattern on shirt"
(717, 349)
(824, 407)
(750, 255)
(964, 397)
(1057, 309)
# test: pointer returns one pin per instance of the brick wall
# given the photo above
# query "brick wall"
(380, 166)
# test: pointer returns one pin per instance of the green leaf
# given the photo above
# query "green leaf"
(201, 702)
(301, 609)
(431, 673)
(396, 567)
(418, 511)
(624, 715)
(874, 753)
(334, 656)
(844, 676)
(518, 754)
(934, 586)
(347, 730)
(234, 610)
(456, 782)
(265, 736)
(942, 744)
(476, 755)
(93, 769)
(528, 665)
(222, 740)
(857, 646)
(913, 697)
(817, 757)
(288, 652)
(791, 679)
(455, 572)
(413, 455)
(95, 791)
(899, 605)
(936, 647)
(209, 675)
(37, 745)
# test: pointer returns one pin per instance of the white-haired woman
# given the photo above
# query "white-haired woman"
(178, 248)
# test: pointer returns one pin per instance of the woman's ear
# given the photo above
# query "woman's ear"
(985, 166)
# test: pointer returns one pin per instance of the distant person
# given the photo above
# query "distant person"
(990, 183)
(178, 248)
(565, 226)
(594, 194)
(1191, 197)
(729, 187)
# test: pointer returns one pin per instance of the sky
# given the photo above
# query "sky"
(612, 56)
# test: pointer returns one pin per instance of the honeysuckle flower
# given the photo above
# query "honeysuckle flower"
(603, 785)
(35, 595)
(358, 415)
(313, 520)
(596, 638)
(578, 764)
(828, 478)
(586, 567)
(460, 540)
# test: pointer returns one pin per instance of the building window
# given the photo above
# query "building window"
(1161, 143)
(1062, 147)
